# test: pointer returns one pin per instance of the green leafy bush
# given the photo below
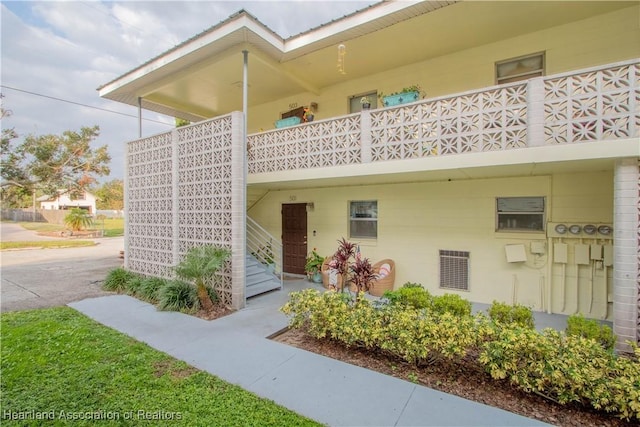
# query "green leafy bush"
(564, 368)
(117, 280)
(511, 314)
(451, 303)
(149, 288)
(133, 285)
(409, 295)
(177, 295)
(588, 328)
(77, 219)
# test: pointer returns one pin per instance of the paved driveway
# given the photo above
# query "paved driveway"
(37, 278)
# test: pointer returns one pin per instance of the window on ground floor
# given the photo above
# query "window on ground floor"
(454, 270)
(520, 213)
(363, 219)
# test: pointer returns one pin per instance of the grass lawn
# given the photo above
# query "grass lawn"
(113, 227)
(47, 244)
(59, 364)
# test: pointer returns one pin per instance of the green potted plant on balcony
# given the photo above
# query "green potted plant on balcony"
(407, 94)
(313, 266)
(365, 102)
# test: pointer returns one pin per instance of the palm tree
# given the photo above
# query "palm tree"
(198, 264)
(78, 219)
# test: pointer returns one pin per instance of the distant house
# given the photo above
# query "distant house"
(68, 200)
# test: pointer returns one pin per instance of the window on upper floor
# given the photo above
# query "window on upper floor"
(355, 106)
(520, 214)
(363, 219)
(521, 68)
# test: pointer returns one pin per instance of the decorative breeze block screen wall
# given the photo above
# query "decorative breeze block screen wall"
(185, 188)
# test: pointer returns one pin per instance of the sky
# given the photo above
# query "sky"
(55, 54)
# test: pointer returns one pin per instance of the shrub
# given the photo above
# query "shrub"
(149, 288)
(77, 219)
(565, 369)
(588, 328)
(117, 279)
(511, 314)
(133, 285)
(409, 295)
(451, 303)
(178, 295)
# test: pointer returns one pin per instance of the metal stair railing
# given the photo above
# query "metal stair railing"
(265, 247)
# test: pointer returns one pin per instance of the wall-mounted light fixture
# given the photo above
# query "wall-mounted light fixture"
(310, 207)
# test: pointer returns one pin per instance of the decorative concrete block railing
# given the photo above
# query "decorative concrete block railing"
(588, 105)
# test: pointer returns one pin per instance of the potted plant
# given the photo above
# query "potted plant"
(313, 266)
(362, 275)
(365, 102)
(307, 115)
(407, 94)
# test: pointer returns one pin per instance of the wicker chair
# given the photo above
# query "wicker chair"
(379, 286)
(324, 270)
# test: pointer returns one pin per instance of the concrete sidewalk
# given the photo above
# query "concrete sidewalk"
(334, 393)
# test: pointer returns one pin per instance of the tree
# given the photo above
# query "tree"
(50, 163)
(110, 195)
(13, 193)
(78, 219)
(198, 264)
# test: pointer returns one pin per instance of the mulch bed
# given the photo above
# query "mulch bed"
(465, 379)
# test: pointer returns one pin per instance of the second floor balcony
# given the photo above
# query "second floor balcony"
(592, 105)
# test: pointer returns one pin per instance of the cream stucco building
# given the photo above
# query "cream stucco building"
(513, 176)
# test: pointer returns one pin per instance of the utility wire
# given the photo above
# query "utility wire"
(82, 105)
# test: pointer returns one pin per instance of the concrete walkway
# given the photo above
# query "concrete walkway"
(334, 393)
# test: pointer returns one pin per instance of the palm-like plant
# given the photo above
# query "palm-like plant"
(362, 275)
(78, 219)
(198, 264)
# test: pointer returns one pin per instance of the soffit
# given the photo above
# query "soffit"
(202, 78)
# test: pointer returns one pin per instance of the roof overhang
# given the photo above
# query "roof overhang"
(202, 77)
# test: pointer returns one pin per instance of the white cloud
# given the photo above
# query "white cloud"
(67, 49)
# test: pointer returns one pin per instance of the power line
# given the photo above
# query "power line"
(82, 105)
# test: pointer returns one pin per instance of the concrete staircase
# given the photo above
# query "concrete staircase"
(259, 279)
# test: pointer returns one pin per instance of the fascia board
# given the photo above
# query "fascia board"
(336, 28)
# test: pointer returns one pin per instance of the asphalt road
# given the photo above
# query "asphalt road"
(37, 278)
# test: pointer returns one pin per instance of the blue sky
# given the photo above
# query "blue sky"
(66, 49)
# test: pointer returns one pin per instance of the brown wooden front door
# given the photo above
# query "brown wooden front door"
(294, 237)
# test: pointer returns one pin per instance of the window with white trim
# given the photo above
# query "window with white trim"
(520, 213)
(363, 219)
(454, 270)
(521, 68)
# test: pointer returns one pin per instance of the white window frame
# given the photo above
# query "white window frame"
(372, 219)
(510, 209)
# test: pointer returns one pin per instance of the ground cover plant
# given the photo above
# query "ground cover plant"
(436, 341)
(58, 363)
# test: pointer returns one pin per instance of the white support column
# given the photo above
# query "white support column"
(238, 210)
(625, 251)
(365, 136)
(535, 113)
